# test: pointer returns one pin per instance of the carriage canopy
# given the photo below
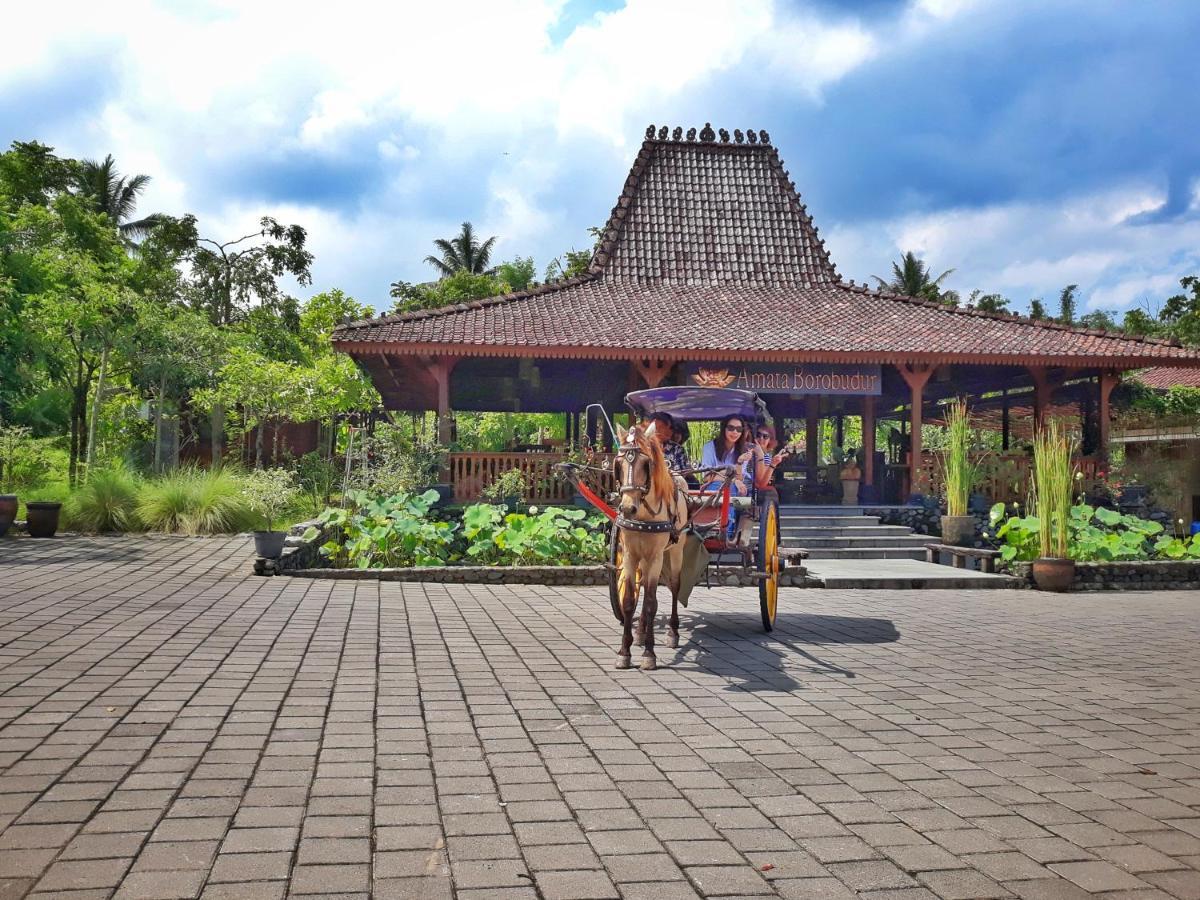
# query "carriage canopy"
(697, 404)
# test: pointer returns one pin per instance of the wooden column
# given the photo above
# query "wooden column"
(868, 434)
(812, 418)
(1108, 381)
(441, 367)
(1005, 423)
(915, 376)
(1043, 393)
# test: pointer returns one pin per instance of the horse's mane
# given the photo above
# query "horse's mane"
(662, 485)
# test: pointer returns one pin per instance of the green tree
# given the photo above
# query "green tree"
(911, 277)
(463, 253)
(1141, 323)
(1180, 314)
(232, 276)
(519, 273)
(461, 287)
(569, 265)
(1100, 319)
(323, 312)
(1037, 309)
(1066, 304)
(995, 303)
(115, 196)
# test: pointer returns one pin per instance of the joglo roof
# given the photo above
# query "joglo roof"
(709, 252)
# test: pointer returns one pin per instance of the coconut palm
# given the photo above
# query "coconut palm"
(913, 278)
(463, 253)
(115, 195)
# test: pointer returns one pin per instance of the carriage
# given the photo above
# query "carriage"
(753, 549)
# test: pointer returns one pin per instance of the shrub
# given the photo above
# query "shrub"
(1053, 486)
(553, 536)
(959, 473)
(1096, 534)
(23, 462)
(399, 463)
(318, 477)
(511, 483)
(195, 502)
(107, 502)
(387, 532)
(269, 493)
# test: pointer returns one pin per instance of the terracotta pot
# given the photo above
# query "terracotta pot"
(850, 492)
(42, 518)
(1052, 573)
(269, 544)
(8, 512)
(958, 530)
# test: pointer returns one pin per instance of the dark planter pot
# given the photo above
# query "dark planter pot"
(1052, 573)
(510, 503)
(445, 493)
(1134, 494)
(269, 544)
(958, 531)
(8, 512)
(42, 518)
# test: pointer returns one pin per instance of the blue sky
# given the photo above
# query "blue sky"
(1026, 145)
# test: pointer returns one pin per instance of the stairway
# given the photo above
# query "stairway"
(844, 532)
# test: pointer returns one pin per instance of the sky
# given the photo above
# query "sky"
(1025, 145)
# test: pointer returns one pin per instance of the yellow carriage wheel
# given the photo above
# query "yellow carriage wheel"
(768, 562)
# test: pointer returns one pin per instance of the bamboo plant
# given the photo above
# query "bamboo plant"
(959, 473)
(1053, 488)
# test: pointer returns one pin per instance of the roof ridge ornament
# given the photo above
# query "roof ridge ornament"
(662, 133)
(650, 132)
(751, 136)
(724, 136)
(707, 134)
(691, 135)
(764, 137)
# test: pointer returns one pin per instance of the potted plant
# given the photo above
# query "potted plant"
(958, 475)
(1053, 488)
(268, 493)
(12, 441)
(508, 490)
(41, 517)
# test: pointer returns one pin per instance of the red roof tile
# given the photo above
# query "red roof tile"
(710, 251)
(1163, 379)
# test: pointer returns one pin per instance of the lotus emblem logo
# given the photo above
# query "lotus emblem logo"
(714, 378)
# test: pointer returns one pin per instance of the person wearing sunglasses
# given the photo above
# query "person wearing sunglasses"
(728, 448)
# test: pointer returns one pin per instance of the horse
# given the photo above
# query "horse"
(651, 513)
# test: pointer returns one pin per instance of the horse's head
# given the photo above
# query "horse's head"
(640, 469)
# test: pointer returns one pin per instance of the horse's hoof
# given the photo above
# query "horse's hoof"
(622, 662)
(673, 639)
(649, 664)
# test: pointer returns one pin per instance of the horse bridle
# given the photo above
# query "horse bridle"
(631, 454)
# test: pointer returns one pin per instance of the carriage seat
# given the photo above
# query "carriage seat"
(705, 516)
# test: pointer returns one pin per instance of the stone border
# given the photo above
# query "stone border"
(1146, 575)
(544, 575)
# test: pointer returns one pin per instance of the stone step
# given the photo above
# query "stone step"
(906, 541)
(800, 532)
(827, 521)
(821, 510)
(864, 552)
(901, 574)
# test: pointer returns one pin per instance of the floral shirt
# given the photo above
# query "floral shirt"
(677, 459)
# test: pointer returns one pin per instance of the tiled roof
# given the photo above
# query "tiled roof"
(1164, 379)
(709, 250)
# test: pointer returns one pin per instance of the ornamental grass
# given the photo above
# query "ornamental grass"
(106, 502)
(194, 501)
(1053, 488)
(959, 474)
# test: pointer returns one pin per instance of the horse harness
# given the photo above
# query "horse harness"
(659, 527)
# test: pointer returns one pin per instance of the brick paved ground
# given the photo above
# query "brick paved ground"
(181, 729)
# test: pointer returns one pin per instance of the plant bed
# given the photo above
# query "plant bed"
(1138, 575)
(544, 575)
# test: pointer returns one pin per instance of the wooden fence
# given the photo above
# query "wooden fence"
(1005, 478)
(470, 473)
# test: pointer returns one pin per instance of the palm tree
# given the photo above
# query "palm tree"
(463, 253)
(912, 278)
(115, 195)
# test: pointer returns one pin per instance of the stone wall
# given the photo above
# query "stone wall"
(1125, 576)
(297, 552)
(547, 575)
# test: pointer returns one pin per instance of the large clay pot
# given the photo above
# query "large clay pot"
(850, 491)
(8, 512)
(269, 544)
(958, 531)
(1052, 573)
(41, 518)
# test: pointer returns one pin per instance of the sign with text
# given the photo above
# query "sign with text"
(789, 378)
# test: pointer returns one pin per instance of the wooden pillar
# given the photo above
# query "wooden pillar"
(868, 434)
(441, 367)
(1043, 393)
(1005, 422)
(1108, 381)
(840, 434)
(915, 376)
(812, 418)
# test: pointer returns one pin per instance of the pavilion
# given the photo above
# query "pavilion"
(710, 270)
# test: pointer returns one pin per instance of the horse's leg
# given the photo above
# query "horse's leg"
(628, 605)
(673, 627)
(650, 574)
(644, 623)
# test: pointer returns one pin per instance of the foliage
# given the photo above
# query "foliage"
(1053, 485)
(519, 273)
(460, 287)
(994, 303)
(387, 532)
(323, 312)
(1095, 534)
(1037, 310)
(911, 277)
(1181, 313)
(193, 501)
(269, 493)
(23, 464)
(398, 462)
(511, 483)
(569, 265)
(553, 536)
(106, 502)
(317, 477)
(115, 195)
(463, 253)
(959, 473)
(1099, 319)
(1066, 304)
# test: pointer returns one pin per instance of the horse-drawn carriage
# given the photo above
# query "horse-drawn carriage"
(698, 536)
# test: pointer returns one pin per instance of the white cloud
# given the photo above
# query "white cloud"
(1025, 250)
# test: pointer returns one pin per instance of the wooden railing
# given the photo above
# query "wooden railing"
(1005, 478)
(470, 473)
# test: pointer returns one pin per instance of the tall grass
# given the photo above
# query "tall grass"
(193, 501)
(107, 502)
(1053, 487)
(959, 474)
